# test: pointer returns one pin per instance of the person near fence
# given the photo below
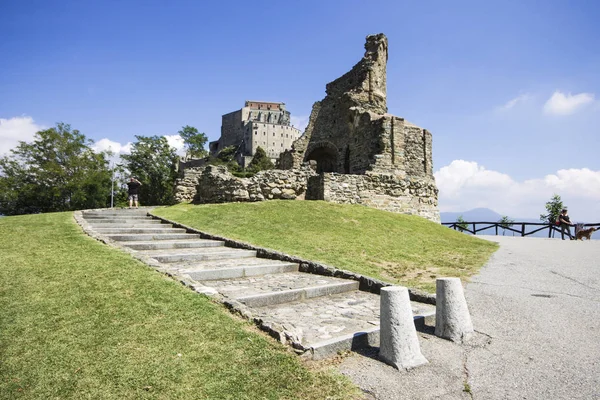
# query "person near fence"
(565, 224)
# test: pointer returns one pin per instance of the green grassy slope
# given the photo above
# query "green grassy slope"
(79, 320)
(396, 248)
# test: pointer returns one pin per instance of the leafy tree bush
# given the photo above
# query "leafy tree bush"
(226, 157)
(505, 223)
(553, 209)
(58, 171)
(260, 161)
(153, 162)
(461, 223)
(194, 141)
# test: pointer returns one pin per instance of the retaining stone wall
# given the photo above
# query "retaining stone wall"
(214, 184)
(382, 191)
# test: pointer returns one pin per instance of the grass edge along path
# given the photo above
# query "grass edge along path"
(81, 320)
(397, 248)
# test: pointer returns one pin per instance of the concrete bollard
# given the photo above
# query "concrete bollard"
(452, 318)
(399, 344)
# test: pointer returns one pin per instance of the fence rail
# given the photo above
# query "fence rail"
(536, 227)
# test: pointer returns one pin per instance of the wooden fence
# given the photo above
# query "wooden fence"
(518, 227)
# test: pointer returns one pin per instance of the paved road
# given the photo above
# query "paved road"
(536, 308)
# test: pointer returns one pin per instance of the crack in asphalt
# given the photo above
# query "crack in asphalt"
(574, 280)
(545, 291)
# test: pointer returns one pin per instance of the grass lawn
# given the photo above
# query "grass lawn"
(79, 320)
(397, 248)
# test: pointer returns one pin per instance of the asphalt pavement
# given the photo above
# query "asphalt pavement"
(535, 307)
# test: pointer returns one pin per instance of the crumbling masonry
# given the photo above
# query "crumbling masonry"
(359, 153)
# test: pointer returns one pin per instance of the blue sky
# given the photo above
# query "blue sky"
(509, 89)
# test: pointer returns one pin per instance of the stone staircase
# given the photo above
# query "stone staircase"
(317, 315)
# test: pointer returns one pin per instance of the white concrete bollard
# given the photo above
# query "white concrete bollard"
(452, 318)
(398, 341)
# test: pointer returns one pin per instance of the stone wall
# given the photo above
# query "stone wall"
(215, 184)
(385, 192)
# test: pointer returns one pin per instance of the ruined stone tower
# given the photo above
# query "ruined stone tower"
(350, 132)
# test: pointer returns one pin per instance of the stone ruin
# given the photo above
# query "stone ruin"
(352, 151)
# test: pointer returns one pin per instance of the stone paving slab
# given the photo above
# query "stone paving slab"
(269, 283)
(206, 253)
(141, 224)
(165, 229)
(333, 318)
(150, 236)
(173, 244)
(102, 217)
(112, 214)
(108, 222)
(191, 266)
(242, 271)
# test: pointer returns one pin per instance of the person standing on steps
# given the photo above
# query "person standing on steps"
(565, 224)
(132, 190)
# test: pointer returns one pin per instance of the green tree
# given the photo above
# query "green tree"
(553, 209)
(194, 141)
(226, 157)
(260, 161)
(505, 223)
(58, 171)
(153, 162)
(461, 223)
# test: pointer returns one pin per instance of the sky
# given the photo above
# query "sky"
(510, 90)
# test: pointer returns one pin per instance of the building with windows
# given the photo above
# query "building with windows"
(258, 123)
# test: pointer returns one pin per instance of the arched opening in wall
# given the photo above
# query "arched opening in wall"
(326, 157)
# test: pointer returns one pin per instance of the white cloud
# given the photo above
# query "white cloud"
(109, 145)
(522, 98)
(117, 148)
(299, 122)
(16, 129)
(465, 185)
(176, 141)
(561, 104)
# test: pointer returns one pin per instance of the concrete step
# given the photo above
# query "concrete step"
(280, 288)
(109, 222)
(199, 254)
(161, 229)
(112, 217)
(115, 212)
(173, 244)
(233, 268)
(142, 237)
(141, 224)
(327, 325)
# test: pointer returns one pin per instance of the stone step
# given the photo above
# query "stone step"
(233, 268)
(141, 224)
(200, 254)
(121, 213)
(279, 288)
(114, 231)
(173, 244)
(329, 324)
(112, 217)
(109, 222)
(142, 237)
